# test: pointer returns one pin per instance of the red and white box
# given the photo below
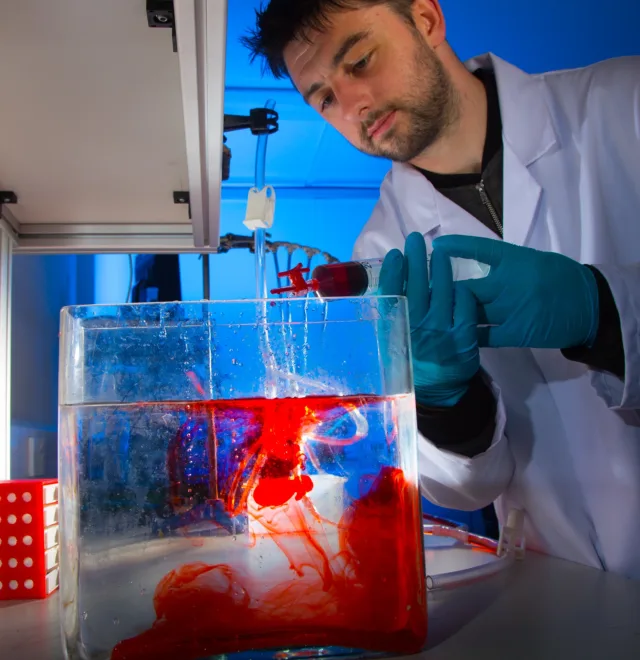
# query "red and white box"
(29, 542)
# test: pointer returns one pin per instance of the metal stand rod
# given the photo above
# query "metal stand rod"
(206, 281)
(6, 259)
(259, 244)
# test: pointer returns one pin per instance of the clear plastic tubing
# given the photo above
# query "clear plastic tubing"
(361, 278)
(259, 234)
(464, 576)
(467, 575)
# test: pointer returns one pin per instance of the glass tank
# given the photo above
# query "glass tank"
(239, 479)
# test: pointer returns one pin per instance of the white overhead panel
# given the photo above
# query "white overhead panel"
(103, 127)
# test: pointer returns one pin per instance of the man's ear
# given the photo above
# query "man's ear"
(429, 20)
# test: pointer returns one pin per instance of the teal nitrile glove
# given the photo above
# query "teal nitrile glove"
(443, 321)
(530, 298)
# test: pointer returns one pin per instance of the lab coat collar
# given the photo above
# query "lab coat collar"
(530, 134)
(526, 137)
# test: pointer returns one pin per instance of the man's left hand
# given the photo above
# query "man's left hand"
(529, 298)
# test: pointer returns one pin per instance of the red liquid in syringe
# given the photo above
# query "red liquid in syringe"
(336, 280)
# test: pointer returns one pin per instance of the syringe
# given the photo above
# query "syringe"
(361, 278)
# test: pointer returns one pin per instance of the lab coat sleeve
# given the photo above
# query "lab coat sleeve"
(624, 282)
(620, 80)
(467, 484)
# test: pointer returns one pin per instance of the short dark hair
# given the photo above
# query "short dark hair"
(282, 21)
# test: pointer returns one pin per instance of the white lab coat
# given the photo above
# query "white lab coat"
(567, 443)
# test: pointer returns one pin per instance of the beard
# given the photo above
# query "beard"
(421, 117)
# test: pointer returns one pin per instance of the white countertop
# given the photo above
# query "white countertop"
(541, 609)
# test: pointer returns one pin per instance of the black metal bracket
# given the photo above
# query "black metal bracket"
(8, 197)
(182, 197)
(234, 241)
(160, 14)
(261, 121)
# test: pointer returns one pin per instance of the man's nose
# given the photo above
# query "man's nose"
(355, 100)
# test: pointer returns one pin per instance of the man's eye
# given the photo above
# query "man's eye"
(361, 64)
(326, 102)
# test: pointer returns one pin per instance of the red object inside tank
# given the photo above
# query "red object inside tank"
(370, 594)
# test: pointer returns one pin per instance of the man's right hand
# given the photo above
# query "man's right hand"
(443, 321)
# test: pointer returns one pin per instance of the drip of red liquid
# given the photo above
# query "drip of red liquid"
(369, 594)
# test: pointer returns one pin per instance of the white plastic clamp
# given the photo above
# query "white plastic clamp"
(512, 535)
(261, 206)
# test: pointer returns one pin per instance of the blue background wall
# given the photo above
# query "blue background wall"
(325, 189)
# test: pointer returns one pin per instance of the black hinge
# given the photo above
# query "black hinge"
(160, 14)
(182, 197)
(8, 197)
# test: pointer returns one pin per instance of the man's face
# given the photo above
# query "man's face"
(375, 79)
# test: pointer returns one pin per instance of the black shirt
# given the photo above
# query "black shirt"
(464, 189)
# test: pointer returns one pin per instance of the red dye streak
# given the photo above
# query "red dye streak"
(370, 594)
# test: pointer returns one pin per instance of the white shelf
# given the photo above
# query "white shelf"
(100, 122)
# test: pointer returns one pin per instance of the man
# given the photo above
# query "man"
(482, 152)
